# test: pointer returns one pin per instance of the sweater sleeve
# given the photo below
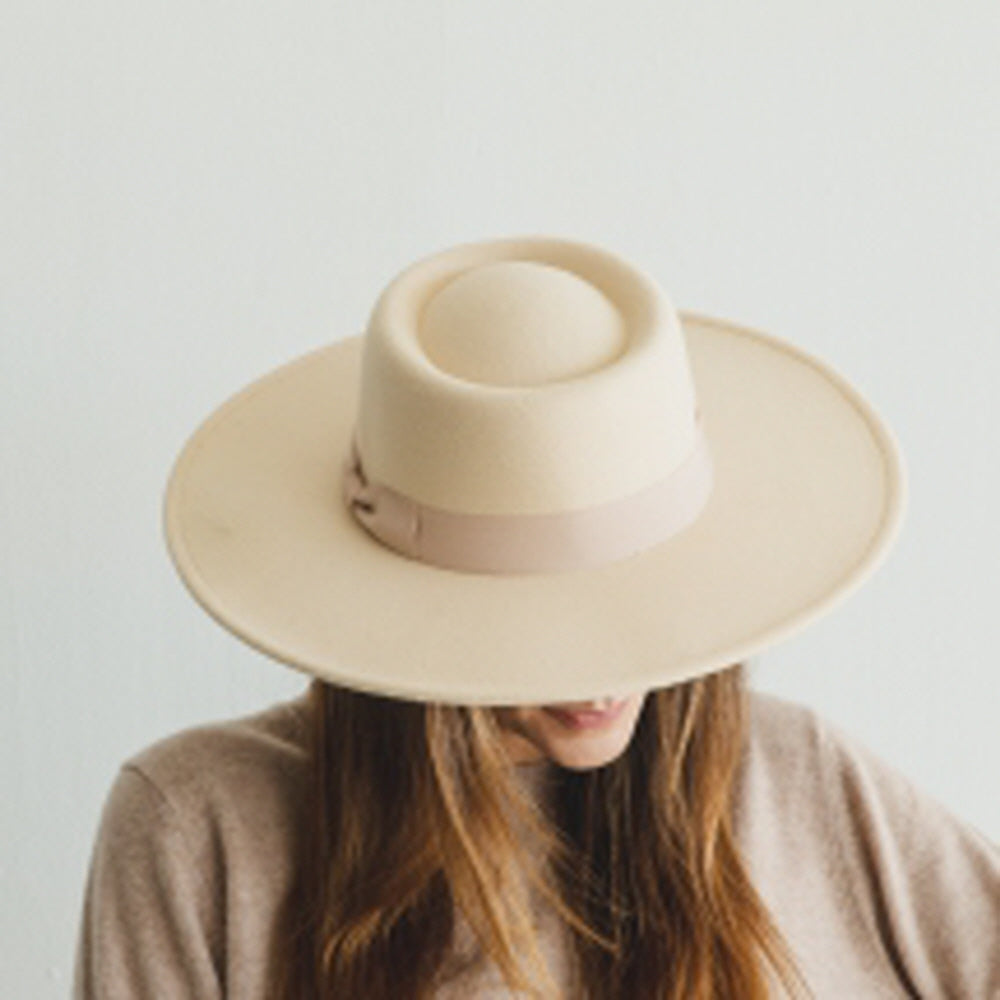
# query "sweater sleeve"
(926, 885)
(145, 928)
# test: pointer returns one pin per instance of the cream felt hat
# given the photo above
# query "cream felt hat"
(531, 480)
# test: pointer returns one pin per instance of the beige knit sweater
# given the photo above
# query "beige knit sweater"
(878, 890)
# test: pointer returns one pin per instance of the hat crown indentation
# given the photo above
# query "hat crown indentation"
(520, 323)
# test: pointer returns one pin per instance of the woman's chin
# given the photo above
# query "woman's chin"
(578, 755)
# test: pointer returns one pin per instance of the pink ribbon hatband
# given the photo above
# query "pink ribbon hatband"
(525, 543)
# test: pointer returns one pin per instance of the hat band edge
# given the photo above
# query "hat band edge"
(531, 543)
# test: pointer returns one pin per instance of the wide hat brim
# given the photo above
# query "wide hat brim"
(808, 496)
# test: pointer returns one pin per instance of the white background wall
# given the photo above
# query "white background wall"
(196, 192)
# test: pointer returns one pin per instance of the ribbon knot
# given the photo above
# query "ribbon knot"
(387, 515)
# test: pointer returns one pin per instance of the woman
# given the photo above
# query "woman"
(558, 522)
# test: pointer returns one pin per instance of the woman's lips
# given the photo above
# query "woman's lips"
(587, 719)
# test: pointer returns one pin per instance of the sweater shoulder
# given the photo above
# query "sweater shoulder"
(784, 731)
(794, 764)
(800, 764)
(253, 757)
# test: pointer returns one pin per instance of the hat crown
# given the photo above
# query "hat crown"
(520, 323)
(528, 375)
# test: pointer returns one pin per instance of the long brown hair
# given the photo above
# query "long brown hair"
(415, 816)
